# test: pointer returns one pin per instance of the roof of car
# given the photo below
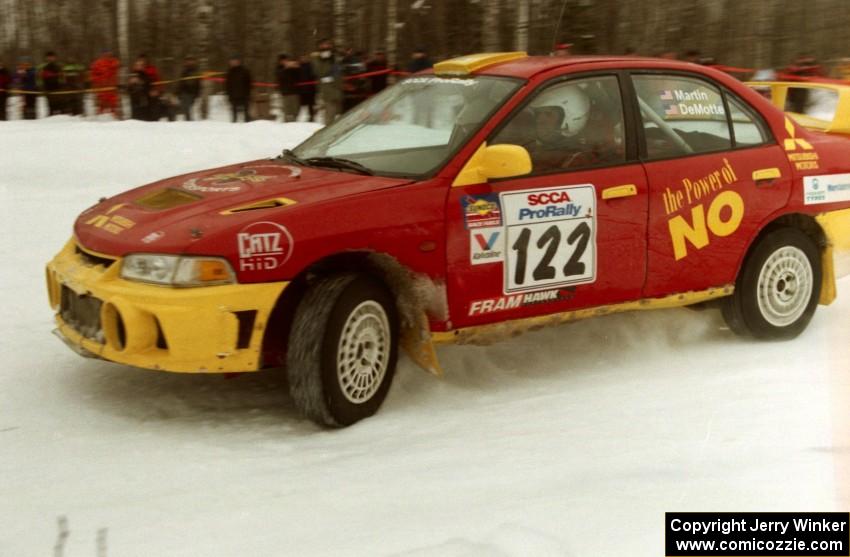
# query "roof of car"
(529, 66)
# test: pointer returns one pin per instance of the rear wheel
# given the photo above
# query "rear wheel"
(343, 349)
(778, 288)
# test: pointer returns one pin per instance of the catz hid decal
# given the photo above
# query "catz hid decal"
(114, 224)
(225, 182)
(800, 151)
(263, 246)
(723, 217)
(514, 301)
(828, 188)
(550, 237)
(481, 210)
(486, 245)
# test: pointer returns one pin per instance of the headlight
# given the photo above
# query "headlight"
(177, 270)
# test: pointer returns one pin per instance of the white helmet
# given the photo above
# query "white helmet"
(573, 101)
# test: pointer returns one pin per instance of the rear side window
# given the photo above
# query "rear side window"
(681, 116)
(750, 130)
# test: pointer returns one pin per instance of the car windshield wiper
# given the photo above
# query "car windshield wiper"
(343, 164)
(289, 155)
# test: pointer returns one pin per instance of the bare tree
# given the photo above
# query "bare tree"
(392, 32)
(521, 34)
(490, 27)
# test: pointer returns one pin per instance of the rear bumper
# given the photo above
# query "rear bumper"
(210, 329)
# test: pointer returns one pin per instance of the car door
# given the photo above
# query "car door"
(715, 175)
(569, 235)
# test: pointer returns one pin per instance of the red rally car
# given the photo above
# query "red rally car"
(494, 194)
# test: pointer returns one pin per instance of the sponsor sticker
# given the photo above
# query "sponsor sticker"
(112, 223)
(799, 151)
(828, 188)
(481, 211)
(681, 104)
(514, 301)
(263, 246)
(550, 237)
(486, 245)
(227, 182)
(153, 237)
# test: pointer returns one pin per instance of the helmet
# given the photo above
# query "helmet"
(572, 101)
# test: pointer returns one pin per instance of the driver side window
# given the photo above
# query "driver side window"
(570, 125)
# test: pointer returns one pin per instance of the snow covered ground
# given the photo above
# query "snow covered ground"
(569, 441)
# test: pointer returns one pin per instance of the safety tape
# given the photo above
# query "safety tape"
(208, 76)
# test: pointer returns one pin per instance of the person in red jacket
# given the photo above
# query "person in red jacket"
(104, 74)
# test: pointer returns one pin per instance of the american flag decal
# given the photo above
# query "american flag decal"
(672, 110)
(666, 95)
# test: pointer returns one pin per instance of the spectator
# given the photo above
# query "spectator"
(237, 84)
(189, 87)
(354, 89)
(104, 75)
(307, 88)
(50, 81)
(139, 91)
(327, 70)
(25, 80)
(419, 61)
(157, 107)
(288, 76)
(378, 63)
(75, 80)
(5, 85)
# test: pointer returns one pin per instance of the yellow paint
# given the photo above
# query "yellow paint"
(199, 324)
(697, 231)
(494, 161)
(473, 62)
(840, 122)
(264, 204)
(766, 174)
(836, 254)
(485, 334)
(614, 192)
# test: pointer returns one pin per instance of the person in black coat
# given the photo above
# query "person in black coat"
(307, 87)
(5, 85)
(288, 75)
(189, 87)
(237, 85)
(139, 90)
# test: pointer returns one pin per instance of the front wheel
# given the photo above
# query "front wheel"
(343, 349)
(778, 288)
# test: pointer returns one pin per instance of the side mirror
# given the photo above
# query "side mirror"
(494, 161)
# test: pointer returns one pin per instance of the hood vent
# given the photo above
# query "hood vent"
(257, 205)
(167, 198)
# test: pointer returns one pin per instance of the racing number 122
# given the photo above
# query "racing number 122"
(551, 239)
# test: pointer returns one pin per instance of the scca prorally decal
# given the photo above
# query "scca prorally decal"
(228, 182)
(486, 245)
(550, 237)
(481, 211)
(263, 246)
(828, 188)
(514, 301)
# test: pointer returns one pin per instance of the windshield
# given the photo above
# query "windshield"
(412, 128)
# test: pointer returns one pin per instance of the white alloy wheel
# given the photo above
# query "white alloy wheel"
(363, 353)
(784, 286)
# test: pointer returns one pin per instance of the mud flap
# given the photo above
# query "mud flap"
(416, 342)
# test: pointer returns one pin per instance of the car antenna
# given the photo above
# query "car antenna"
(558, 24)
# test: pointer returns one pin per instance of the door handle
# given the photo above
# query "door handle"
(626, 190)
(766, 175)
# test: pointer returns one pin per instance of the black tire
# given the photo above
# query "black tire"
(315, 376)
(765, 314)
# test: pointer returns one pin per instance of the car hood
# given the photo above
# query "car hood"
(168, 215)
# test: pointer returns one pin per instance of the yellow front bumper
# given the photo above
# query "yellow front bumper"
(209, 329)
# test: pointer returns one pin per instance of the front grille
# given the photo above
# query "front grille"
(93, 260)
(81, 313)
